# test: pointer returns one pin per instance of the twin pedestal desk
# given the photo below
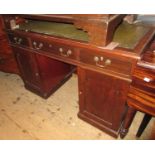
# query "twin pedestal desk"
(103, 49)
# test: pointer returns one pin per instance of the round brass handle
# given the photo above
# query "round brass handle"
(17, 40)
(69, 52)
(96, 59)
(34, 43)
(108, 62)
(65, 54)
(99, 61)
(61, 49)
(39, 46)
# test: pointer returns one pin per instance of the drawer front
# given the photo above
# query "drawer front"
(18, 40)
(103, 61)
(63, 50)
(144, 79)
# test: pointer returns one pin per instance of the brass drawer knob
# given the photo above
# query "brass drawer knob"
(38, 47)
(96, 59)
(17, 40)
(61, 49)
(69, 52)
(65, 54)
(99, 61)
(34, 43)
(108, 62)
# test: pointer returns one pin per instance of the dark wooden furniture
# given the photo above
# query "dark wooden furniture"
(7, 59)
(41, 74)
(105, 54)
(141, 96)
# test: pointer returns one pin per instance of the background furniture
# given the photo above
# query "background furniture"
(7, 59)
(141, 94)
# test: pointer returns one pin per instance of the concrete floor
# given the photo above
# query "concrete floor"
(24, 115)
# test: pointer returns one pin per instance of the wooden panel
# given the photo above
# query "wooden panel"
(28, 67)
(102, 100)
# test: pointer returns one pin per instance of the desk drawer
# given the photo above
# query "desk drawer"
(102, 61)
(144, 79)
(61, 49)
(18, 39)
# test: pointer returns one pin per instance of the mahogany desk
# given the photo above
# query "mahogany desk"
(103, 49)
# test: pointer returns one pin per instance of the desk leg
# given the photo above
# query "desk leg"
(127, 122)
(143, 125)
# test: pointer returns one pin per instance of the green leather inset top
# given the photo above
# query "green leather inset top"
(55, 29)
(127, 35)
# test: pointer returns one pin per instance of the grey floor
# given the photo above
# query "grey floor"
(24, 115)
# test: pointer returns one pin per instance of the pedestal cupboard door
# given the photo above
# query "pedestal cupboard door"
(102, 99)
(28, 67)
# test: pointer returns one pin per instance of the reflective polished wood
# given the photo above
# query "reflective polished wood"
(141, 96)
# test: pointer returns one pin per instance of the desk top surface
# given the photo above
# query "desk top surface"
(127, 35)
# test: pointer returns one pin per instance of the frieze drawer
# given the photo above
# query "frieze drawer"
(63, 50)
(102, 61)
(144, 79)
(18, 39)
